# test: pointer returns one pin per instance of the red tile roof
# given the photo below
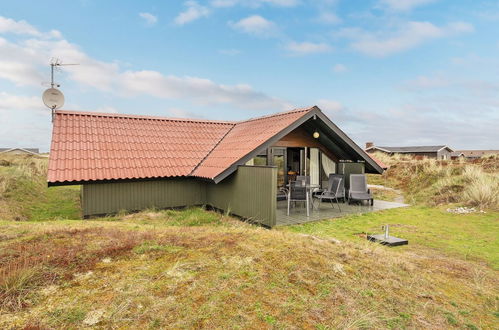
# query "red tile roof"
(379, 162)
(89, 146)
(93, 146)
(243, 138)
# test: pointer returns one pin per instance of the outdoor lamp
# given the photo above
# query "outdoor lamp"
(316, 135)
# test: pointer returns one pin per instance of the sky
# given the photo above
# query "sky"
(394, 72)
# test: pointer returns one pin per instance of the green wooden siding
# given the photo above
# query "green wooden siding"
(250, 193)
(108, 198)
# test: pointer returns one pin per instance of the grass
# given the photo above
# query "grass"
(24, 194)
(195, 268)
(385, 195)
(226, 274)
(467, 236)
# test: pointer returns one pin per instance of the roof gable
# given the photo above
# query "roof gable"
(244, 138)
(34, 151)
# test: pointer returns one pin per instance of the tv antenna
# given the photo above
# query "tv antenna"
(52, 97)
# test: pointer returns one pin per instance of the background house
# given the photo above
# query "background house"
(437, 152)
(471, 154)
(127, 162)
(20, 151)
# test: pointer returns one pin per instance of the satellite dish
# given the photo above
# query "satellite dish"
(53, 98)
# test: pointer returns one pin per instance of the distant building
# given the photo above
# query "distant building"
(478, 153)
(457, 155)
(20, 151)
(438, 152)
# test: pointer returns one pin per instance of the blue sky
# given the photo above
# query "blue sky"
(396, 72)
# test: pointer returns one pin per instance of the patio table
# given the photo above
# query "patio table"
(310, 190)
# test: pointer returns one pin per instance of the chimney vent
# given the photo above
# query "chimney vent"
(369, 144)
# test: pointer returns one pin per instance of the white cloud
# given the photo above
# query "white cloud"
(181, 113)
(198, 90)
(305, 48)
(428, 82)
(149, 18)
(8, 25)
(24, 61)
(253, 3)
(255, 25)
(459, 27)
(193, 12)
(338, 68)
(328, 17)
(409, 35)
(10, 102)
(106, 109)
(230, 52)
(404, 5)
(331, 107)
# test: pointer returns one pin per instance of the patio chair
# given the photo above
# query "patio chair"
(358, 189)
(341, 191)
(298, 193)
(305, 178)
(335, 190)
(283, 192)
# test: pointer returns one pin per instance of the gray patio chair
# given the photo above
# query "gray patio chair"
(358, 189)
(305, 178)
(283, 191)
(335, 190)
(341, 191)
(298, 193)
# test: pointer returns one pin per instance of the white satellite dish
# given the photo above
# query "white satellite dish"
(53, 98)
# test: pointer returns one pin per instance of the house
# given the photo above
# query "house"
(473, 154)
(457, 155)
(19, 151)
(438, 152)
(128, 162)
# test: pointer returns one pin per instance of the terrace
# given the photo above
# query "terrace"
(298, 213)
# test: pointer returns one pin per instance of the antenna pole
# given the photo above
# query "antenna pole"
(52, 74)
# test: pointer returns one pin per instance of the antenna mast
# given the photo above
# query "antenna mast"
(53, 98)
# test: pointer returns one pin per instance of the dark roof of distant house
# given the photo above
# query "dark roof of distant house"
(412, 149)
(478, 153)
(27, 150)
(89, 146)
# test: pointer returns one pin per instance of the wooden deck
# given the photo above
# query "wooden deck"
(298, 214)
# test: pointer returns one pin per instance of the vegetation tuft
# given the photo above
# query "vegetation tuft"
(435, 182)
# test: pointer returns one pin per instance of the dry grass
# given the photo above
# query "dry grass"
(243, 277)
(433, 182)
(45, 259)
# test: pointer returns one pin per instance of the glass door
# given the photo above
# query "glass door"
(313, 168)
(278, 159)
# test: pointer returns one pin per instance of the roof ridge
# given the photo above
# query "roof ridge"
(277, 114)
(131, 116)
(439, 145)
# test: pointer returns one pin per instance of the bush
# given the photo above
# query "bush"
(482, 191)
